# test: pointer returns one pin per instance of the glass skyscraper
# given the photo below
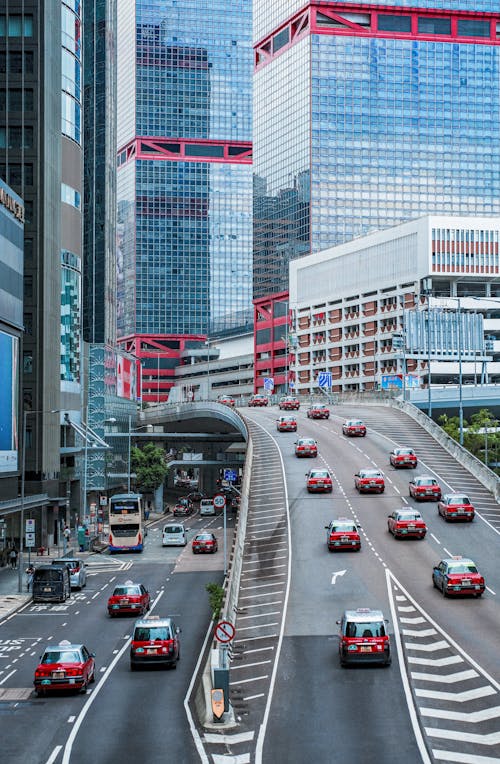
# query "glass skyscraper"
(184, 167)
(366, 116)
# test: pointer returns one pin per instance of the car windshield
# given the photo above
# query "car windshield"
(318, 474)
(370, 473)
(462, 567)
(121, 590)
(61, 656)
(365, 629)
(152, 633)
(172, 529)
(458, 500)
(343, 526)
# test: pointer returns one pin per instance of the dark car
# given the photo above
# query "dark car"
(258, 400)
(363, 637)
(406, 523)
(424, 488)
(65, 666)
(403, 457)
(456, 507)
(319, 481)
(155, 642)
(458, 575)
(318, 411)
(306, 447)
(343, 533)
(51, 583)
(129, 598)
(369, 481)
(286, 424)
(204, 542)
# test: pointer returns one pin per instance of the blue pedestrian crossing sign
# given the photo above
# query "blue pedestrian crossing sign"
(325, 379)
(268, 383)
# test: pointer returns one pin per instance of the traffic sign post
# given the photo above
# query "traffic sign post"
(269, 384)
(220, 503)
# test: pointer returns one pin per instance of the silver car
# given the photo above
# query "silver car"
(77, 571)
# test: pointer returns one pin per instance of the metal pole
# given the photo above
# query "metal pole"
(486, 444)
(404, 357)
(158, 379)
(21, 529)
(85, 465)
(429, 392)
(286, 355)
(460, 401)
(225, 539)
(129, 450)
(207, 343)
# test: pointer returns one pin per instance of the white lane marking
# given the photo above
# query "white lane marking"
(461, 716)
(247, 681)
(95, 595)
(258, 615)
(419, 633)
(436, 539)
(71, 719)
(83, 713)
(441, 645)
(264, 567)
(257, 650)
(8, 675)
(465, 737)
(241, 758)
(404, 676)
(447, 552)
(259, 594)
(260, 586)
(53, 756)
(249, 665)
(459, 676)
(457, 697)
(417, 619)
(254, 697)
(257, 626)
(436, 661)
(463, 758)
(490, 590)
(103, 668)
(406, 609)
(254, 639)
(239, 737)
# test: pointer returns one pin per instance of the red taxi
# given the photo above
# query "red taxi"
(129, 598)
(258, 400)
(424, 488)
(456, 506)
(286, 424)
(64, 667)
(343, 534)
(318, 411)
(406, 523)
(354, 428)
(458, 575)
(369, 481)
(289, 403)
(364, 637)
(306, 447)
(319, 481)
(403, 457)
(155, 641)
(204, 542)
(227, 400)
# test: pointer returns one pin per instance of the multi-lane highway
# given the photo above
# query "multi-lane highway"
(438, 701)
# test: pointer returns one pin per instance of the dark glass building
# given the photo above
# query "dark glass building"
(367, 115)
(184, 169)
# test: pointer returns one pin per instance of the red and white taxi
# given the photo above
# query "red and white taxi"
(258, 400)
(369, 481)
(319, 481)
(364, 638)
(456, 506)
(406, 523)
(204, 542)
(286, 424)
(458, 575)
(227, 400)
(129, 598)
(306, 447)
(354, 428)
(155, 641)
(318, 411)
(424, 488)
(341, 534)
(65, 666)
(289, 403)
(403, 457)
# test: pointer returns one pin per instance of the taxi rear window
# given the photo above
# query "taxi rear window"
(462, 567)
(61, 656)
(365, 629)
(152, 633)
(126, 590)
(344, 527)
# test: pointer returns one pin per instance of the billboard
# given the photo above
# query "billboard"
(9, 375)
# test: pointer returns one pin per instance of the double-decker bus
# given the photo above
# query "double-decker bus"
(126, 533)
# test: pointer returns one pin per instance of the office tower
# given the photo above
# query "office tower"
(184, 177)
(367, 116)
(41, 159)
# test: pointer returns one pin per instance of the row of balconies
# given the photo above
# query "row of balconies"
(353, 311)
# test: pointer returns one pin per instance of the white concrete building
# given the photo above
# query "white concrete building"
(348, 301)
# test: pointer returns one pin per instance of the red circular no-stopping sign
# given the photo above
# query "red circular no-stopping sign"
(224, 631)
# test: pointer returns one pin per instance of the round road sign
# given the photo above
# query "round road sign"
(224, 631)
(219, 501)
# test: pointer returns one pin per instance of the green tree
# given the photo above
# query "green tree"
(474, 435)
(150, 466)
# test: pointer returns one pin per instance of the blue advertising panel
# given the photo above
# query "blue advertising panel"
(9, 354)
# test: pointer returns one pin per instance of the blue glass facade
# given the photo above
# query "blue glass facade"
(359, 133)
(188, 245)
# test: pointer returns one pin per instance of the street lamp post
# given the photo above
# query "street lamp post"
(129, 450)
(427, 288)
(460, 398)
(207, 343)
(23, 482)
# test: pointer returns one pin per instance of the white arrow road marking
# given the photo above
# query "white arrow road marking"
(242, 758)
(420, 633)
(465, 737)
(457, 697)
(463, 758)
(242, 737)
(459, 676)
(441, 645)
(436, 661)
(416, 619)
(338, 573)
(460, 716)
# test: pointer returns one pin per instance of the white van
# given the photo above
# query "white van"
(174, 534)
(207, 507)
